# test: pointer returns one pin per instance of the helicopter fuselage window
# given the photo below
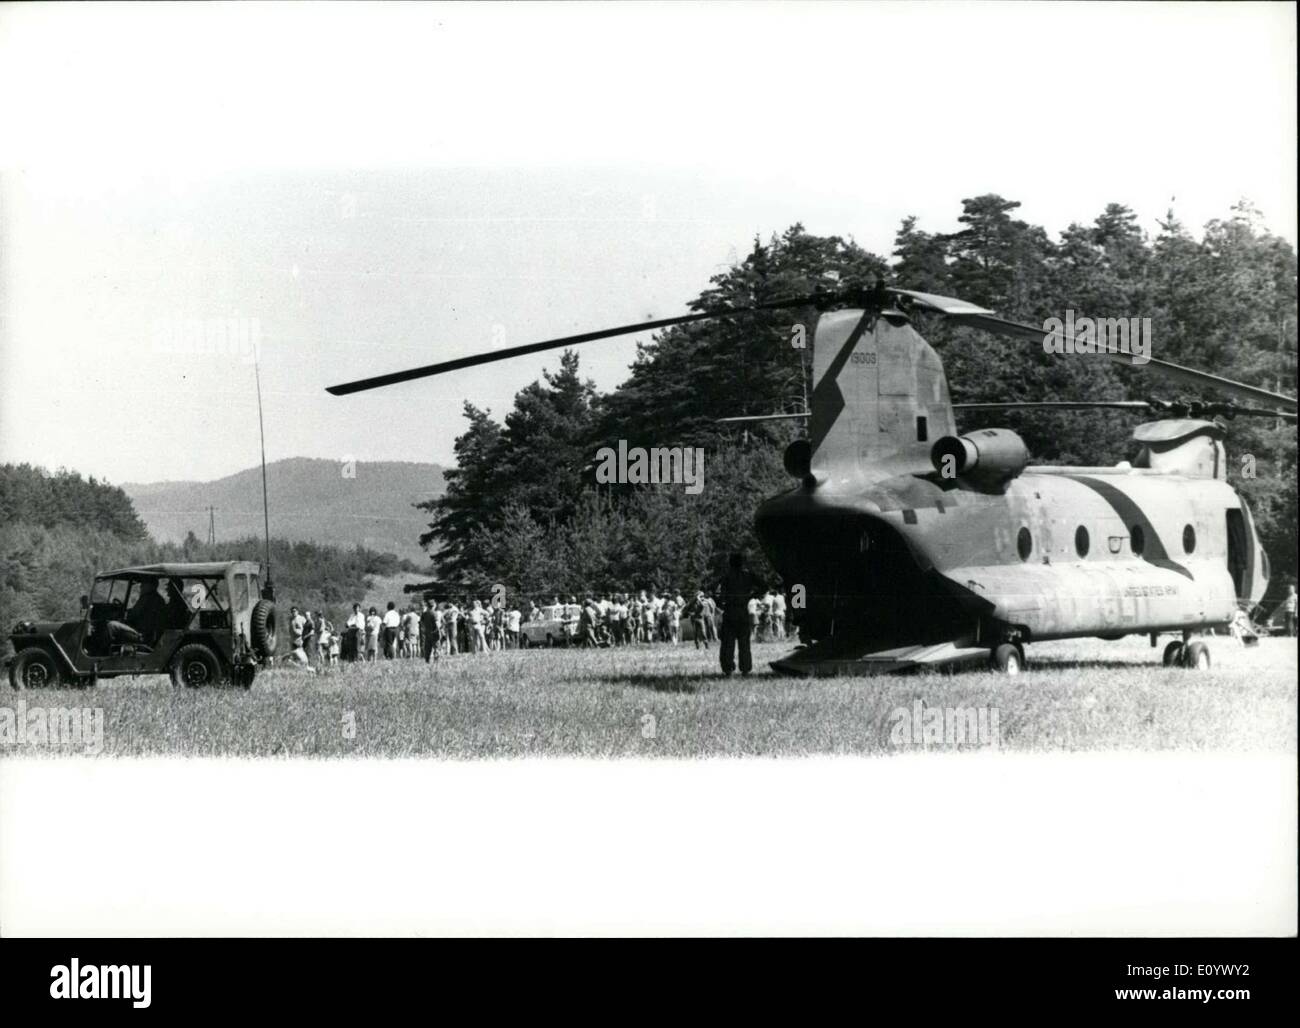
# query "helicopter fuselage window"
(1024, 543)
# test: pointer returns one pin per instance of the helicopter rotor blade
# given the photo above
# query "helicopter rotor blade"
(956, 310)
(489, 357)
(760, 417)
(1162, 407)
(1174, 372)
(1141, 405)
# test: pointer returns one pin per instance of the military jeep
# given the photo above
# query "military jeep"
(202, 624)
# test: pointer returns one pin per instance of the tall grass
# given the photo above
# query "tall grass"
(664, 701)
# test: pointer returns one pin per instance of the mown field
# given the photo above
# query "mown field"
(664, 701)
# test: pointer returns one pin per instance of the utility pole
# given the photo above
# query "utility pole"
(212, 526)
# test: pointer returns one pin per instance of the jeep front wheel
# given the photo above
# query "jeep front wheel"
(34, 669)
(196, 666)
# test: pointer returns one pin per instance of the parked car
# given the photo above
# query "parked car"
(551, 629)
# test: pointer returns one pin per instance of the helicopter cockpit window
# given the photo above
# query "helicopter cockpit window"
(1137, 540)
(1024, 543)
(1189, 539)
(1081, 541)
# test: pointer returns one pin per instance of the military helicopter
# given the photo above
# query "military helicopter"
(904, 544)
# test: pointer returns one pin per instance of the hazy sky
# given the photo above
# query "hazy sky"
(369, 188)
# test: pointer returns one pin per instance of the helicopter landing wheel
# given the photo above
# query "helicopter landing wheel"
(1173, 654)
(1196, 656)
(1008, 658)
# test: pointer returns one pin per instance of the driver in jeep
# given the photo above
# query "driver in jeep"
(153, 612)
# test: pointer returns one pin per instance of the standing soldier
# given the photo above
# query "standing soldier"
(429, 632)
(735, 591)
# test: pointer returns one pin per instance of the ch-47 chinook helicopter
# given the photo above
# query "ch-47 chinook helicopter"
(905, 544)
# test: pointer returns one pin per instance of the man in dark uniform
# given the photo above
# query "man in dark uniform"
(429, 632)
(734, 593)
(588, 618)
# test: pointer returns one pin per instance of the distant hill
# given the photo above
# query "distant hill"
(311, 500)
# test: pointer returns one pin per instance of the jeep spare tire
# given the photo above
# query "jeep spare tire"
(34, 669)
(195, 666)
(263, 624)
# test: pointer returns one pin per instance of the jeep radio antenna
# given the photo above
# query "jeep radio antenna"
(268, 593)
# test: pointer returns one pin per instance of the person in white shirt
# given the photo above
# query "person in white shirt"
(647, 618)
(451, 628)
(297, 630)
(355, 638)
(478, 636)
(374, 623)
(514, 618)
(618, 620)
(778, 613)
(324, 638)
(392, 621)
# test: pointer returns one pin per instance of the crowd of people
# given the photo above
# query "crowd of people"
(434, 629)
(741, 611)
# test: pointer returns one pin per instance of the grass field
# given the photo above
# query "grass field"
(666, 701)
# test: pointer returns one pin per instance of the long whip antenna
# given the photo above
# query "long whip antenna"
(266, 510)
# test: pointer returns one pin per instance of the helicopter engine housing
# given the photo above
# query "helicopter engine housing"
(989, 457)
